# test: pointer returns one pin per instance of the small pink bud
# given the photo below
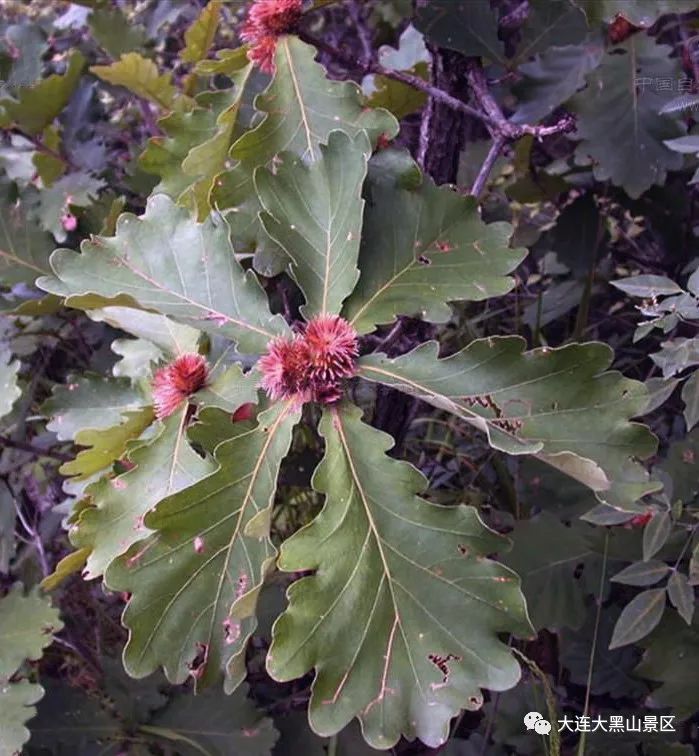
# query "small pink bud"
(69, 221)
(244, 412)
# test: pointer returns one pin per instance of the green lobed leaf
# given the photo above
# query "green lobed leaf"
(70, 717)
(229, 389)
(207, 160)
(195, 150)
(467, 26)
(577, 235)
(135, 700)
(158, 339)
(213, 427)
(194, 582)
(27, 625)
(679, 468)
(140, 76)
(314, 212)
(412, 56)
(553, 77)
(639, 617)
(171, 338)
(115, 519)
(90, 401)
(38, 105)
(548, 557)
(184, 130)
(48, 206)
(410, 51)
(166, 261)
(28, 45)
(300, 108)
(558, 404)
(106, 445)
(115, 33)
(200, 35)
(382, 618)
(17, 701)
(548, 23)
(619, 123)
(138, 358)
(227, 62)
(69, 565)
(49, 167)
(422, 248)
(17, 160)
(24, 248)
(215, 724)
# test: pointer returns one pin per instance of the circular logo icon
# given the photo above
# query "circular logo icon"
(531, 719)
(542, 726)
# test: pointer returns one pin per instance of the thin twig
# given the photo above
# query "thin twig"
(490, 112)
(499, 123)
(406, 78)
(501, 129)
(593, 649)
(555, 741)
(36, 451)
(35, 536)
(493, 153)
(391, 336)
(46, 150)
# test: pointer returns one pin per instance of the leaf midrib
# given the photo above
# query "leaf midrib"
(142, 274)
(469, 414)
(228, 548)
(297, 90)
(271, 433)
(379, 545)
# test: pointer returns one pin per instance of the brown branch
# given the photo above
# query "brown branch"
(500, 124)
(406, 78)
(501, 128)
(46, 150)
(493, 153)
(35, 450)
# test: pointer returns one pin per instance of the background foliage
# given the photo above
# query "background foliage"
(509, 181)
